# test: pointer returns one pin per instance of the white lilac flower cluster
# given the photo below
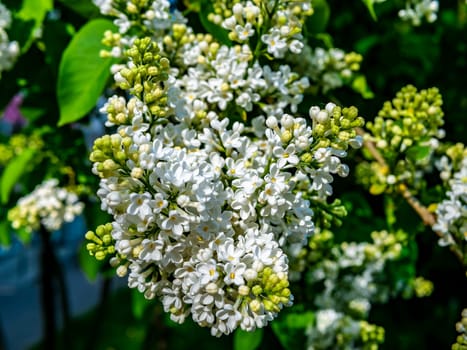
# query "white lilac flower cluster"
(221, 76)
(48, 205)
(418, 10)
(330, 69)
(339, 331)
(451, 213)
(155, 15)
(352, 279)
(9, 50)
(278, 24)
(211, 199)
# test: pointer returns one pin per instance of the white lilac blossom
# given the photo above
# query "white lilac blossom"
(9, 50)
(154, 15)
(277, 23)
(352, 278)
(216, 77)
(208, 212)
(48, 205)
(451, 213)
(337, 330)
(329, 69)
(416, 11)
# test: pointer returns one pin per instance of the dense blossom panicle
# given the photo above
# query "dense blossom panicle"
(451, 213)
(9, 50)
(48, 205)
(278, 24)
(210, 179)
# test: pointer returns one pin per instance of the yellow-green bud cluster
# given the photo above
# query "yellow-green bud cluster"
(461, 327)
(268, 291)
(405, 133)
(457, 153)
(114, 41)
(329, 214)
(145, 74)
(121, 112)
(371, 335)
(410, 117)
(17, 144)
(353, 60)
(133, 9)
(221, 10)
(100, 243)
(110, 153)
(374, 177)
(422, 287)
(183, 36)
(6, 153)
(335, 126)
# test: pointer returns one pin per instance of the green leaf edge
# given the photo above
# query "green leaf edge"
(101, 77)
(13, 171)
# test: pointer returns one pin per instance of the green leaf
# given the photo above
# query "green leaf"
(289, 328)
(326, 39)
(13, 171)
(417, 153)
(83, 74)
(299, 320)
(35, 11)
(360, 85)
(247, 340)
(369, 4)
(318, 22)
(85, 8)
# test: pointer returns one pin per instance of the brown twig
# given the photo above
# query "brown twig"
(427, 217)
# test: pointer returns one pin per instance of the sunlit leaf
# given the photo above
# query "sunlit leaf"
(247, 340)
(13, 171)
(370, 6)
(83, 74)
(360, 85)
(35, 11)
